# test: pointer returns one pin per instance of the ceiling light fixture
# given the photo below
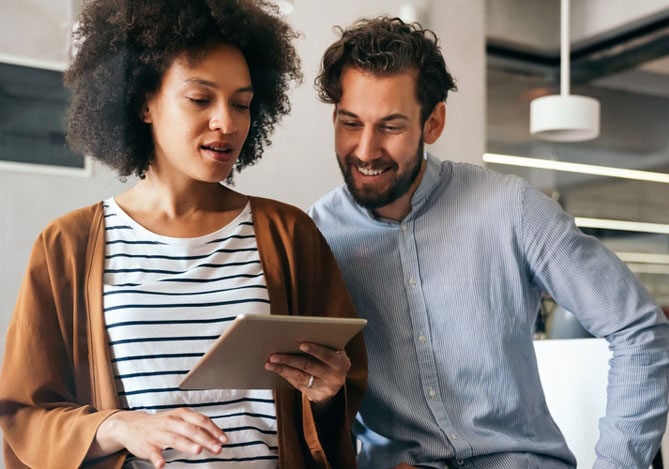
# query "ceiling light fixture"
(648, 269)
(621, 225)
(564, 117)
(580, 168)
(643, 257)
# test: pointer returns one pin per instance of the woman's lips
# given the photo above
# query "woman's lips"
(219, 151)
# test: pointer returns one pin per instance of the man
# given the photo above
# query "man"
(448, 262)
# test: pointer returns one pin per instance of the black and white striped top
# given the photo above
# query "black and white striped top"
(165, 302)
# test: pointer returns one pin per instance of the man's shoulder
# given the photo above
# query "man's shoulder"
(471, 170)
(329, 204)
(475, 178)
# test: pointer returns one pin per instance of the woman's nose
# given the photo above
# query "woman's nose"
(223, 120)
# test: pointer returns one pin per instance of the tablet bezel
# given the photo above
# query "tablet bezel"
(237, 358)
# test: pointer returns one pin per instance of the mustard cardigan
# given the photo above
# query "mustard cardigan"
(57, 384)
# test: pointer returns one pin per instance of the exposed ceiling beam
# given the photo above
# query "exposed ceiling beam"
(599, 58)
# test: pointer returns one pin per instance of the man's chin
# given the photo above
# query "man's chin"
(371, 200)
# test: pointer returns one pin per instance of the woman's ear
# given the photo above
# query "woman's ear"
(145, 114)
(435, 123)
(145, 110)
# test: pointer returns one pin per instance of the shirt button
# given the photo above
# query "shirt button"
(421, 339)
(453, 436)
(404, 227)
(432, 392)
(460, 462)
(411, 281)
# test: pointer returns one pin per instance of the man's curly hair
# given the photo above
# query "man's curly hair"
(122, 49)
(387, 46)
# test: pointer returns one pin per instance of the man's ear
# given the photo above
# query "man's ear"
(435, 123)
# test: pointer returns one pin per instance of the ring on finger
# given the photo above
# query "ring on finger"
(311, 381)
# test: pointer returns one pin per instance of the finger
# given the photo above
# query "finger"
(206, 424)
(302, 363)
(337, 359)
(188, 433)
(172, 438)
(295, 376)
(156, 458)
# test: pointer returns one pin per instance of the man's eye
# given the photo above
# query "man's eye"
(350, 124)
(391, 128)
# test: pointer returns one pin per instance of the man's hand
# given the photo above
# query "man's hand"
(319, 373)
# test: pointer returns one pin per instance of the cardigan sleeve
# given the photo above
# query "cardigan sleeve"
(44, 423)
(303, 278)
(327, 295)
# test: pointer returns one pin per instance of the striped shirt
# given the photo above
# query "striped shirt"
(166, 300)
(451, 294)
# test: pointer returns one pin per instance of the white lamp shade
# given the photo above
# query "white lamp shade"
(564, 118)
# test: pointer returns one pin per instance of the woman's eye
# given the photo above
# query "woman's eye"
(242, 106)
(199, 101)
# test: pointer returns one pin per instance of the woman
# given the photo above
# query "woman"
(120, 299)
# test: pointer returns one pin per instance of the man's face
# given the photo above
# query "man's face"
(379, 137)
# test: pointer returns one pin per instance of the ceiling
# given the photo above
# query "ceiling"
(625, 65)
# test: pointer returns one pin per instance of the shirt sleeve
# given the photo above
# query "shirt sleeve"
(590, 281)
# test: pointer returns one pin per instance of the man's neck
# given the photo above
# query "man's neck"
(400, 208)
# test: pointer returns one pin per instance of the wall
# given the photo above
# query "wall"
(29, 200)
(297, 168)
(300, 166)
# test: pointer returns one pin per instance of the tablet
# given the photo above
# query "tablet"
(237, 359)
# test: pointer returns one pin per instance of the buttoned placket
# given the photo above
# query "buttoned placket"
(422, 334)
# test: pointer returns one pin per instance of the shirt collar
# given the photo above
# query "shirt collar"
(432, 177)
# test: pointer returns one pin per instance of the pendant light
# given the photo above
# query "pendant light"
(564, 117)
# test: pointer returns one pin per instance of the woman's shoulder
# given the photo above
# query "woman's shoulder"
(75, 224)
(274, 209)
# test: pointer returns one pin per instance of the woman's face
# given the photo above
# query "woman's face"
(200, 116)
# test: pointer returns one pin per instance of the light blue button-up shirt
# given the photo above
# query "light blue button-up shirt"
(451, 294)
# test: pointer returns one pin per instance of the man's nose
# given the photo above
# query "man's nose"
(369, 145)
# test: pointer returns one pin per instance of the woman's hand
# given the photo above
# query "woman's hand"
(147, 435)
(319, 373)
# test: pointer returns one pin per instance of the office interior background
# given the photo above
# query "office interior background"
(503, 53)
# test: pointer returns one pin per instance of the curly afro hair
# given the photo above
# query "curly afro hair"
(122, 49)
(387, 46)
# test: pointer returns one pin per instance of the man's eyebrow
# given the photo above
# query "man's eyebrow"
(346, 113)
(384, 119)
(211, 84)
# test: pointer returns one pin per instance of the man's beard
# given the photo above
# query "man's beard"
(372, 199)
